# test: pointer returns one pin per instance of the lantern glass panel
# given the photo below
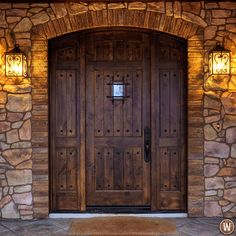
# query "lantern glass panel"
(219, 61)
(16, 64)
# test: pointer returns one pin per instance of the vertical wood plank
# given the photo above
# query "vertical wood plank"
(128, 169)
(98, 100)
(119, 170)
(118, 110)
(165, 103)
(165, 168)
(61, 103)
(120, 50)
(99, 168)
(137, 105)
(71, 169)
(174, 170)
(61, 169)
(90, 137)
(108, 105)
(135, 51)
(138, 168)
(108, 50)
(128, 105)
(174, 103)
(71, 100)
(108, 174)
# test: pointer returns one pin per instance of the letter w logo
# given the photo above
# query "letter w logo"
(227, 226)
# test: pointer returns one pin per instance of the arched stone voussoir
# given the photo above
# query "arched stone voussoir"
(116, 18)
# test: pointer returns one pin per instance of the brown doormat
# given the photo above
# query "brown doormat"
(122, 226)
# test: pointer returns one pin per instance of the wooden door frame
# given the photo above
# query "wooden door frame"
(82, 126)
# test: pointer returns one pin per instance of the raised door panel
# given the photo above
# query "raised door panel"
(118, 118)
(118, 169)
(66, 103)
(116, 163)
(117, 50)
(65, 155)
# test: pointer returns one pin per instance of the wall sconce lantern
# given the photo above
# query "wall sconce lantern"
(16, 63)
(219, 61)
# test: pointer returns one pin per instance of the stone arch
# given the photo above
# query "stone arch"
(123, 18)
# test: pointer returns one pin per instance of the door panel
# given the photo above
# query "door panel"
(114, 127)
(65, 133)
(172, 136)
(96, 142)
(64, 128)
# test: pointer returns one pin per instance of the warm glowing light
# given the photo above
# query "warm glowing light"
(16, 63)
(219, 61)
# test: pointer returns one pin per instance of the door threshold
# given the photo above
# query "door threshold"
(91, 215)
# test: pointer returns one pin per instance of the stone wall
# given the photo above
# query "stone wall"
(211, 101)
(220, 152)
(16, 151)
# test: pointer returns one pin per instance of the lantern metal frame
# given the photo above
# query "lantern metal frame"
(219, 61)
(15, 63)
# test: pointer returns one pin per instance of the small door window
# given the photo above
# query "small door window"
(118, 90)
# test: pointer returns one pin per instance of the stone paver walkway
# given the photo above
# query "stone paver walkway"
(60, 227)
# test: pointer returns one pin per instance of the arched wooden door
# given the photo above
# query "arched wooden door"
(117, 122)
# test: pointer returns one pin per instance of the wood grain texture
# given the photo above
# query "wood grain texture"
(64, 125)
(96, 143)
(116, 141)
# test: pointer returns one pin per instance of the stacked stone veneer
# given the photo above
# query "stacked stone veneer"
(220, 153)
(16, 151)
(24, 171)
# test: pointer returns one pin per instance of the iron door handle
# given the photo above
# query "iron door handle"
(147, 144)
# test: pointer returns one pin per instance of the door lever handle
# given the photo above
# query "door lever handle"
(147, 144)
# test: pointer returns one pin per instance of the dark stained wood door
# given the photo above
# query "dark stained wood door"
(64, 124)
(97, 144)
(117, 174)
(169, 123)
